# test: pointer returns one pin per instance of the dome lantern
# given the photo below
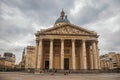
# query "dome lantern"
(62, 14)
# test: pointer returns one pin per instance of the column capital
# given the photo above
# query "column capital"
(83, 40)
(51, 39)
(37, 38)
(96, 41)
(37, 42)
(40, 39)
(73, 40)
(62, 39)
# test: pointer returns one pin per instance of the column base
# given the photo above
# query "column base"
(77, 70)
(39, 71)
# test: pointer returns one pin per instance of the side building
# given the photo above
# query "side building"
(30, 58)
(7, 62)
(110, 61)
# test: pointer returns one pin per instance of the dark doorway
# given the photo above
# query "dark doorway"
(66, 63)
(46, 64)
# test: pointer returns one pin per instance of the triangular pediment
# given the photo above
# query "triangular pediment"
(67, 29)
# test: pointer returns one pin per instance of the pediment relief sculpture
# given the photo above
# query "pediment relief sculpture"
(66, 30)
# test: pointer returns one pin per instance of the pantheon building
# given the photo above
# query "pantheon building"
(66, 46)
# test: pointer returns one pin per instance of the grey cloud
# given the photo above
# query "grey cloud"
(13, 31)
(43, 11)
(90, 14)
(96, 10)
(113, 41)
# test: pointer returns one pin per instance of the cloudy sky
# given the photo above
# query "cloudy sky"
(20, 19)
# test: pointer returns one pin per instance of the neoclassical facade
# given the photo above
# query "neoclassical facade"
(66, 47)
(110, 60)
(7, 62)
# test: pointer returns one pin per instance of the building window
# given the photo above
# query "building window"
(114, 65)
(110, 59)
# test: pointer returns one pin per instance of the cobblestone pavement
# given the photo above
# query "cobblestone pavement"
(47, 76)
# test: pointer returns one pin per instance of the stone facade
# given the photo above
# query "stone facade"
(30, 57)
(7, 62)
(110, 61)
(66, 46)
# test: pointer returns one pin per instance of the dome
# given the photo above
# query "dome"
(60, 20)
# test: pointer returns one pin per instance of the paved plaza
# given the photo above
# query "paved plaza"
(58, 76)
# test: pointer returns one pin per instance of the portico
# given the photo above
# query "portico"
(77, 51)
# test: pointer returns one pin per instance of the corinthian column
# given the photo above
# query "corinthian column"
(51, 55)
(91, 58)
(62, 54)
(73, 55)
(98, 58)
(95, 55)
(36, 53)
(39, 61)
(84, 55)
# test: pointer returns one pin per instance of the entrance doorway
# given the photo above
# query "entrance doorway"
(46, 64)
(66, 63)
